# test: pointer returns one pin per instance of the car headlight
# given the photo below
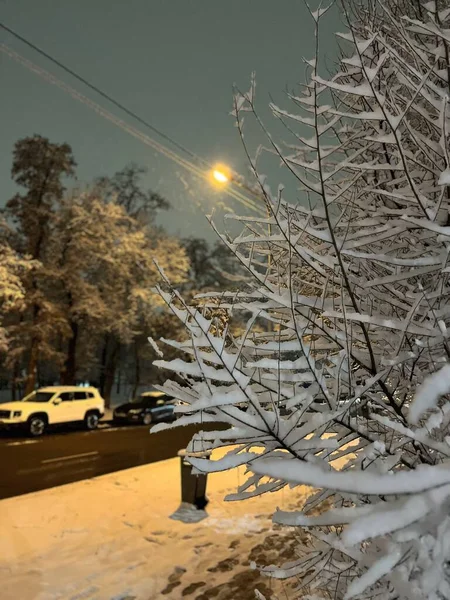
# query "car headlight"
(17, 413)
(135, 411)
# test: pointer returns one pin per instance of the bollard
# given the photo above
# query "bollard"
(193, 487)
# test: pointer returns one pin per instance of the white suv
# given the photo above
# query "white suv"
(53, 405)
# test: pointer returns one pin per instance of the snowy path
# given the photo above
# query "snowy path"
(111, 538)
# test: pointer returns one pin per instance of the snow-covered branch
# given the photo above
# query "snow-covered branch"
(340, 378)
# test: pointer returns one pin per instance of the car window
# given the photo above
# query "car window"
(66, 396)
(90, 395)
(152, 398)
(39, 397)
(79, 395)
(149, 401)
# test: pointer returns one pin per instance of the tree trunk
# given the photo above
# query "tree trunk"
(103, 365)
(14, 378)
(110, 371)
(69, 370)
(30, 382)
(119, 380)
(137, 370)
(108, 364)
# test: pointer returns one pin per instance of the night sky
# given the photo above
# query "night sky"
(171, 61)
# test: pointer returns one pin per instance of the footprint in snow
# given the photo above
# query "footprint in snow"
(152, 540)
(193, 587)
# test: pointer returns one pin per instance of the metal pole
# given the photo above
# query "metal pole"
(193, 487)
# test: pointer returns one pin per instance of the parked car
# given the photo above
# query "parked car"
(149, 407)
(53, 405)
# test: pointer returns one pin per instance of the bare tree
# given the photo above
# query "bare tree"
(125, 189)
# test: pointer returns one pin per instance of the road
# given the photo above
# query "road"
(28, 465)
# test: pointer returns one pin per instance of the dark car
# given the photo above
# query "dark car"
(149, 407)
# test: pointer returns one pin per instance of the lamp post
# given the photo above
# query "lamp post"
(193, 490)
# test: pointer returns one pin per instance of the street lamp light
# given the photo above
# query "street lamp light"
(223, 175)
(220, 176)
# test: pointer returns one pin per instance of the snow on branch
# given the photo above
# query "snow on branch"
(330, 363)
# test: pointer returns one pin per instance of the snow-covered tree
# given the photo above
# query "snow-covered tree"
(12, 292)
(88, 293)
(347, 389)
(125, 190)
(211, 267)
(141, 306)
(104, 259)
(39, 167)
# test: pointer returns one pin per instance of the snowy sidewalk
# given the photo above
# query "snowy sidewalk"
(111, 538)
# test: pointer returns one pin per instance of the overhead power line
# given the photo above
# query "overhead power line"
(191, 167)
(102, 93)
(194, 169)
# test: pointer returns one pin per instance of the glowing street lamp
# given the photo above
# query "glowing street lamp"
(220, 177)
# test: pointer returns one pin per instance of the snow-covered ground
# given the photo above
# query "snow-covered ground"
(111, 538)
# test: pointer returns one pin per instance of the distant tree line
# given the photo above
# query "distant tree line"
(77, 272)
